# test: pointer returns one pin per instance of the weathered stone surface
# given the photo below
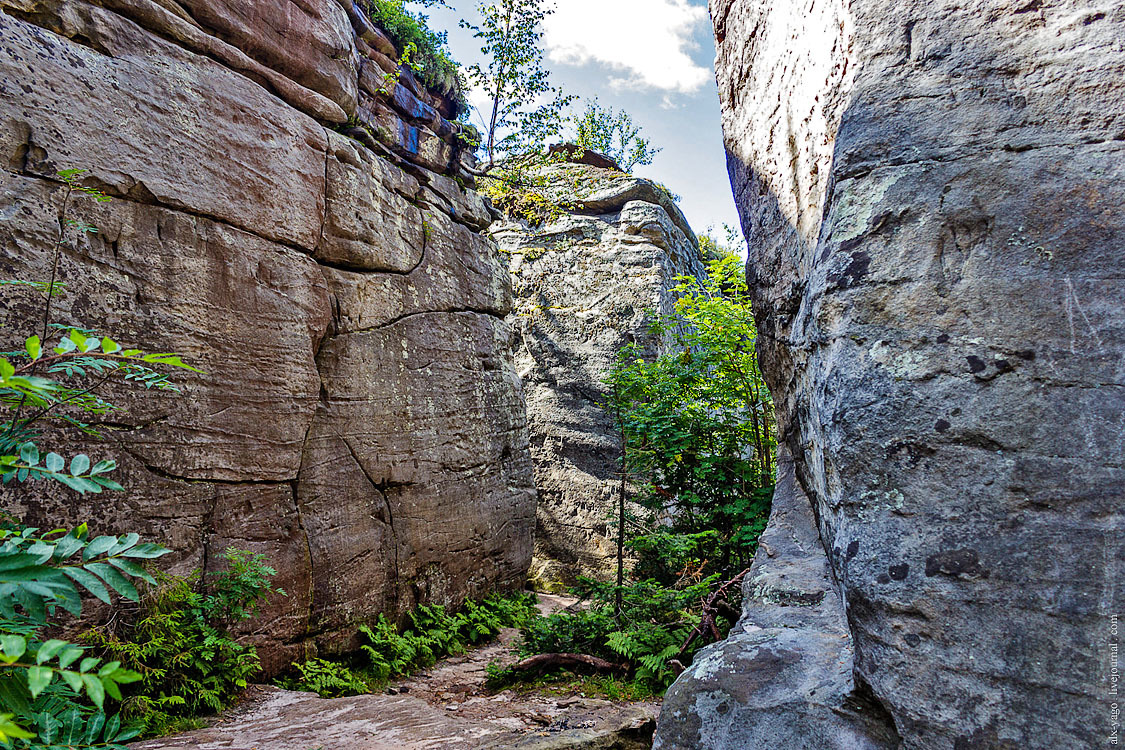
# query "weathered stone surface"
(189, 134)
(371, 223)
(309, 41)
(360, 420)
(932, 194)
(421, 424)
(585, 286)
(784, 675)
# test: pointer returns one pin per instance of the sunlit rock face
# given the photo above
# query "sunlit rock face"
(360, 421)
(932, 194)
(587, 284)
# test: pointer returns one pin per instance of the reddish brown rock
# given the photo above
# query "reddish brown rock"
(360, 421)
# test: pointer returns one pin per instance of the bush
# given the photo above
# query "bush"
(389, 651)
(649, 631)
(181, 645)
(53, 687)
(328, 679)
(612, 133)
(429, 57)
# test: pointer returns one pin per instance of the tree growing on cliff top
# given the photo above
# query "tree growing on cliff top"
(613, 133)
(525, 110)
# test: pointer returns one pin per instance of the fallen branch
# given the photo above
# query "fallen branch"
(714, 605)
(543, 662)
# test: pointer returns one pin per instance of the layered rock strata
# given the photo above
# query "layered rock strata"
(360, 421)
(586, 284)
(932, 196)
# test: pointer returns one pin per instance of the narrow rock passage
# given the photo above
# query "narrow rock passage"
(444, 708)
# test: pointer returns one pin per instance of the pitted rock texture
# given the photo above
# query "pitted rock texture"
(784, 675)
(587, 284)
(361, 421)
(932, 196)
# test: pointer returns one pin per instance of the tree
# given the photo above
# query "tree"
(515, 81)
(699, 435)
(612, 133)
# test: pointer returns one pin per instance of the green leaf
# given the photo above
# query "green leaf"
(73, 679)
(131, 568)
(109, 346)
(34, 347)
(126, 676)
(80, 464)
(50, 650)
(90, 582)
(10, 730)
(103, 467)
(6, 369)
(94, 689)
(124, 543)
(29, 452)
(38, 678)
(118, 582)
(88, 663)
(147, 551)
(99, 545)
(12, 647)
(55, 462)
(69, 655)
(94, 727)
(67, 546)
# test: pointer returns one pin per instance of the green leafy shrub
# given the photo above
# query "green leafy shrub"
(43, 575)
(52, 686)
(426, 51)
(327, 678)
(431, 632)
(181, 647)
(652, 625)
(612, 133)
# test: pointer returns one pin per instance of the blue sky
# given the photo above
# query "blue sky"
(652, 58)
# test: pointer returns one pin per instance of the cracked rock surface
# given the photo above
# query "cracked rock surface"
(932, 194)
(360, 422)
(585, 285)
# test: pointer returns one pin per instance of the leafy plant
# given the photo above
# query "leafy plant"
(520, 189)
(425, 51)
(431, 632)
(612, 133)
(181, 647)
(698, 444)
(526, 111)
(327, 678)
(646, 631)
(42, 681)
(697, 424)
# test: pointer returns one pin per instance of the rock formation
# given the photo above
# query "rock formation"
(360, 422)
(586, 284)
(932, 194)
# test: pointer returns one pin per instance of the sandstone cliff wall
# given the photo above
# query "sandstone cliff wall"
(586, 285)
(361, 421)
(932, 194)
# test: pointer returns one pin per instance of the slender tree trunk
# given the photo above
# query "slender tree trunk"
(498, 94)
(621, 496)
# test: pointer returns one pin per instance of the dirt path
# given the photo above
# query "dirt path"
(444, 708)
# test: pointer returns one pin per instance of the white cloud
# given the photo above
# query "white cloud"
(646, 40)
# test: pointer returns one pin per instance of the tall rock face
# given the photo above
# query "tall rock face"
(360, 421)
(586, 284)
(932, 194)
